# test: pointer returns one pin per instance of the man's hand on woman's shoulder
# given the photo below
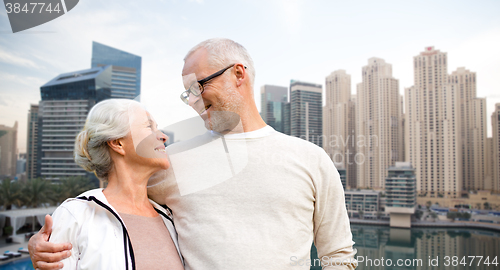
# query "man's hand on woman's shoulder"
(45, 255)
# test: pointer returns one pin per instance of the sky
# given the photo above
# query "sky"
(287, 39)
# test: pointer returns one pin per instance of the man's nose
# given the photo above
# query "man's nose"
(194, 100)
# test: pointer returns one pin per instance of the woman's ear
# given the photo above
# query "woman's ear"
(117, 146)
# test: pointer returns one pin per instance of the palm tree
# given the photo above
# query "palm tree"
(35, 192)
(10, 194)
(487, 206)
(69, 188)
(428, 204)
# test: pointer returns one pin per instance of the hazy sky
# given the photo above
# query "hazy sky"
(288, 39)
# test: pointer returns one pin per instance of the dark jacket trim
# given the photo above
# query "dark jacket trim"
(165, 216)
(126, 237)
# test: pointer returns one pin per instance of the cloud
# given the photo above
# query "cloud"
(17, 79)
(4, 101)
(12, 59)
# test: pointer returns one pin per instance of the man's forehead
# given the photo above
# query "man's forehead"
(195, 62)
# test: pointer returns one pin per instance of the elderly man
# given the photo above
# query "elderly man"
(243, 196)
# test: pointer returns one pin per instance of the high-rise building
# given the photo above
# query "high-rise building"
(433, 144)
(66, 101)
(126, 70)
(339, 123)
(31, 142)
(352, 167)
(306, 111)
(8, 150)
(495, 123)
(378, 120)
(472, 116)
(490, 167)
(274, 100)
(21, 164)
(401, 194)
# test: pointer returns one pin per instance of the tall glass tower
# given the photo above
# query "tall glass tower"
(306, 111)
(274, 100)
(126, 70)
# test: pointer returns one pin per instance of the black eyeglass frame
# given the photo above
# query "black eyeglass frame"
(202, 82)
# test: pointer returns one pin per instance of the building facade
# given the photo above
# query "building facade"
(274, 101)
(400, 186)
(378, 117)
(432, 127)
(8, 150)
(66, 101)
(306, 111)
(126, 70)
(495, 123)
(472, 116)
(31, 142)
(364, 203)
(339, 135)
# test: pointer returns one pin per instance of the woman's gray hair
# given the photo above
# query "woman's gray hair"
(108, 120)
(223, 52)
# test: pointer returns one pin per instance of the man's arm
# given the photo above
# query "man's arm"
(45, 255)
(332, 231)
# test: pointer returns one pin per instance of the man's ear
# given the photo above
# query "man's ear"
(241, 74)
(117, 146)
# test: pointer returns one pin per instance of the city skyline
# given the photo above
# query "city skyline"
(168, 32)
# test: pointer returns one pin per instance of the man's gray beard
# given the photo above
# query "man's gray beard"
(222, 121)
(226, 118)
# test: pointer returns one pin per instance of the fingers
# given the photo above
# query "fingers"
(49, 266)
(43, 261)
(47, 247)
(48, 225)
(46, 255)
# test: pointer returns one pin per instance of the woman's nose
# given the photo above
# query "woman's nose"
(162, 137)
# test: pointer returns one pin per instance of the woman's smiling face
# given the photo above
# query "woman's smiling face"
(148, 142)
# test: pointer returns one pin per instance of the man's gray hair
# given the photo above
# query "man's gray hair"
(223, 52)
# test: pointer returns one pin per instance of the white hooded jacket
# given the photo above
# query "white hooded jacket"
(98, 234)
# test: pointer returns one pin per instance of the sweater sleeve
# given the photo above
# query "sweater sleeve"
(332, 232)
(66, 229)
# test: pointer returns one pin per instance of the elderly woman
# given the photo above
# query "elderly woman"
(118, 227)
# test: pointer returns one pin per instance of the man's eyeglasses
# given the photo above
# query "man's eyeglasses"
(197, 88)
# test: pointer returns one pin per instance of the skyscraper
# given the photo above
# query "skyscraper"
(338, 123)
(472, 116)
(274, 100)
(433, 126)
(31, 142)
(126, 70)
(66, 101)
(495, 123)
(8, 150)
(379, 119)
(306, 111)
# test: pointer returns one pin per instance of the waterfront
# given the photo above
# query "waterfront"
(419, 245)
(419, 248)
